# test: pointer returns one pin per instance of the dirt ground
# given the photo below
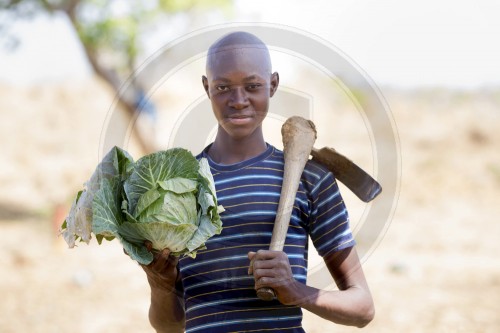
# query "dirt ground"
(436, 269)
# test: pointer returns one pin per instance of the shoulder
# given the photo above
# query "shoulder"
(203, 153)
(313, 173)
(317, 169)
(312, 167)
(276, 153)
(317, 175)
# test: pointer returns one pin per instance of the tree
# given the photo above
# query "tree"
(110, 33)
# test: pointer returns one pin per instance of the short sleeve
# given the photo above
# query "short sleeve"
(329, 226)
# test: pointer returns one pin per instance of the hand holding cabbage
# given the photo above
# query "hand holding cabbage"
(167, 198)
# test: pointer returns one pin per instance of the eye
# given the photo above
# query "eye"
(222, 88)
(254, 86)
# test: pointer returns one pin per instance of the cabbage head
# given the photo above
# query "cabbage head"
(167, 198)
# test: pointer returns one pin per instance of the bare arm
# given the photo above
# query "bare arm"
(351, 305)
(166, 312)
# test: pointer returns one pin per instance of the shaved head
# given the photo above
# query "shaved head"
(239, 84)
(237, 42)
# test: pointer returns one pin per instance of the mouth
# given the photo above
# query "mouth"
(239, 118)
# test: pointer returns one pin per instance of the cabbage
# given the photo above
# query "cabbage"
(167, 198)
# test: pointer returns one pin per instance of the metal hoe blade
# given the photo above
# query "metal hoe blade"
(356, 179)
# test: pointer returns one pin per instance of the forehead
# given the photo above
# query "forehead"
(250, 59)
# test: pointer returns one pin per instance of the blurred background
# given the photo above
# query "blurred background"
(435, 266)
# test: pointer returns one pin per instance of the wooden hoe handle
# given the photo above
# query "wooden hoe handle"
(299, 135)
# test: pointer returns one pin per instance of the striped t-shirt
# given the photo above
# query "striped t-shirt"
(219, 294)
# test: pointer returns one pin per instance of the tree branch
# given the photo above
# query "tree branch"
(111, 77)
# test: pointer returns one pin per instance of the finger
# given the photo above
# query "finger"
(265, 264)
(149, 245)
(264, 269)
(159, 262)
(164, 260)
(273, 282)
(165, 253)
(260, 273)
(268, 254)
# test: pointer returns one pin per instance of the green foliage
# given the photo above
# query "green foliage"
(167, 198)
(111, 33)
(110, 30)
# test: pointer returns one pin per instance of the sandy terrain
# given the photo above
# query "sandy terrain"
(436, 269)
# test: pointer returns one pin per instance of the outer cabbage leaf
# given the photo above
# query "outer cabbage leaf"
(206, 229)
(78, 223)
(207, 196)
(209, 223)
(205, 200)
(136, 251)
(107, 215)
(205, 177)
(108, 218)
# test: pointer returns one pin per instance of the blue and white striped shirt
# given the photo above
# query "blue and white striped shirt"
(219, 294)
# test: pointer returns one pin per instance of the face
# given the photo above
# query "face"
(239, 85)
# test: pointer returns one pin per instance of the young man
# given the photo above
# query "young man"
(216, 291)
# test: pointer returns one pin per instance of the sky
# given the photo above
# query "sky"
(403, 44)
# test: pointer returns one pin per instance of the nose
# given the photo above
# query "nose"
(238, 99)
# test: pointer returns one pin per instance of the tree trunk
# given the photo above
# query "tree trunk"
(110, 76)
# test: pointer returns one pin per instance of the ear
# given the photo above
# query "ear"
(204, 81)
(275, 81)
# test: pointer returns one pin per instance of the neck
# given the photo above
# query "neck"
(227, 150)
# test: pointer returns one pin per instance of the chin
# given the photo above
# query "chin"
(241, 134)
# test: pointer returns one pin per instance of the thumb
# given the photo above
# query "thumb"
(251, 255)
